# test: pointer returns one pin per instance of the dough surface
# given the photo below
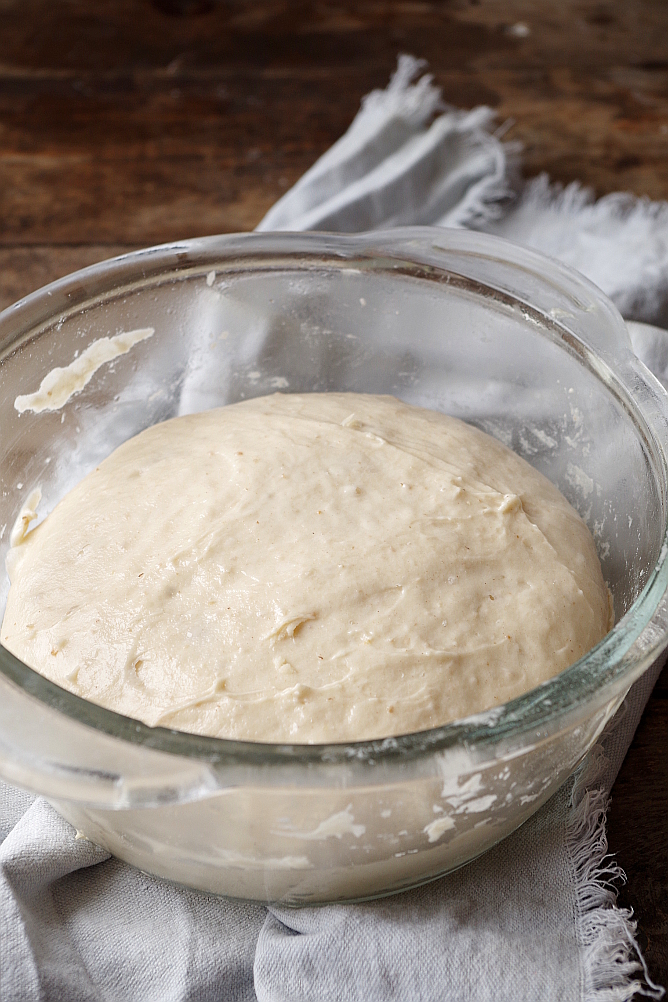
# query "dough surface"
(306, 568)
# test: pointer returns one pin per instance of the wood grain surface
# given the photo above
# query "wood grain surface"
(129, 122)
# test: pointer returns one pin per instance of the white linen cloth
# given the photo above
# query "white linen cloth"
(534, 919)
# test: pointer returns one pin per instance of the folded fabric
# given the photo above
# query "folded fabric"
(533, 919)
(395, 168)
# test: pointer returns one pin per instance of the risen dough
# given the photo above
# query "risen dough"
(310, 568)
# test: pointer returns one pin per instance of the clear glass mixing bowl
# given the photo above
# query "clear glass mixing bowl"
(460, 322)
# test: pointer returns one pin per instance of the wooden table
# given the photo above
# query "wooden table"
(128, 123)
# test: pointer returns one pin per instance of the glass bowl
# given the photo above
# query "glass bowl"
(460, 322)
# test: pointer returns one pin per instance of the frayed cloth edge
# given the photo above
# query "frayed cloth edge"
(487, 200)
(415, 102)
(606, 934)
(574, 198)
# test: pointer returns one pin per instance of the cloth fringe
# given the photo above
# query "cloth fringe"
(606, 934)
(407, 159)
(574, 198)
(415, 101)
(618, 241)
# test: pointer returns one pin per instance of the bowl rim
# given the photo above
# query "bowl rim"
(604, 674)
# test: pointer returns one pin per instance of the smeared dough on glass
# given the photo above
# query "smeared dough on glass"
(307, 568)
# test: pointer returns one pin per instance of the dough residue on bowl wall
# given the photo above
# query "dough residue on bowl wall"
(62, 383)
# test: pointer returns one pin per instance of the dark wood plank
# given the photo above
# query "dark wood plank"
(24, 269)
(638, 830)
(122, 123)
